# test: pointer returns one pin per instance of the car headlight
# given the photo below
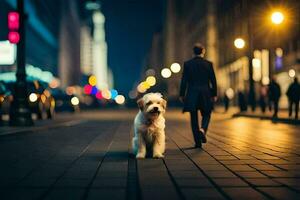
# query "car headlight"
(33, 97)
(74, 101)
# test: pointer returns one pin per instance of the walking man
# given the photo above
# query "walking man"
(198, 91)
(274, 95)
(293, 94)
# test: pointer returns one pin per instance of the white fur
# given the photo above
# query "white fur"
(149, 128)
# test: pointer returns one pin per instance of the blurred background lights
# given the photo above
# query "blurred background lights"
(87, 89)
(239, 43)
(132, 94)
(230, 93)
(94, 90)
(92, 80)
(114, 93)
(151, 80)
(175, 68)
(292, 73)
(99, 95)
(277, 17)
(150, 72)
(75, 101)
(279, 52)
(145, 85)
(265, 80)
(166, 73)
(33, 97)
(141, 89)
(120, 99)
(106, 94)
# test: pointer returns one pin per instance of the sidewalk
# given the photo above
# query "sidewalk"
(283, 116)
(39, 125)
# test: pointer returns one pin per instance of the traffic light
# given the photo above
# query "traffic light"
(13, 27)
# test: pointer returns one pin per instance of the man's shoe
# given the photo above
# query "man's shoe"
(198, 146)
(203, 136)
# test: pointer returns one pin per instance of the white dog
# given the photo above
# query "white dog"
(149, 126)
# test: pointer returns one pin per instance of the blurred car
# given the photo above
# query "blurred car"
(40, 99)
(65, 102)
(5, 99)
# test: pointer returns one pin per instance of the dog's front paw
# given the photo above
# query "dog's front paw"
(140, 155)
(158, 155)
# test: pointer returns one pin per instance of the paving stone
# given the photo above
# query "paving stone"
(225, 157)
(240, 168)
(289, 167)
(289, 181)
(265, 167)
(193, 182)
(110, 183)
(220, 174)
(71, 182)
(280, 174)
(262, 182)
(212, 167)
(186, 174)
(280, 193)
(159, 194)
(254, 174)
(230, 182)
(243, 193)
(65, 193)
(202, 193)
(107, 193)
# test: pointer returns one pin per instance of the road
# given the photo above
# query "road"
(91, 159)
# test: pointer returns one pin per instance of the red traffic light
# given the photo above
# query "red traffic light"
(13, 20)
(13, 37)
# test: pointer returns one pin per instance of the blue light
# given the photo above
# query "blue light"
(114, 93)
(278, 62)
(94, 90)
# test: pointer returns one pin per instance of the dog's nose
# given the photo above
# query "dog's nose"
(155, 108)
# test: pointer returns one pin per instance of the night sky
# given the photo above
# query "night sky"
(130, 25)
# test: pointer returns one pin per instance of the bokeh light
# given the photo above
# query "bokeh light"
(106, 94)
(239, 43)
(94, 90)
(141, 88)
(175, 68)
(120, 99)
(292, 73)
(99, 95)
(92, 80)
(87, 89)
(75, 101)
(132, 94)
(151, 80)
(114, 93)
(277, 17)
(166, 73)
(230, 93)
(33, 97)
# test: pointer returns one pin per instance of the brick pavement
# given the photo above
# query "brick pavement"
(243, 159)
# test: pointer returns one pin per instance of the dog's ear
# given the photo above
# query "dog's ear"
(164, 103)
(140, 103)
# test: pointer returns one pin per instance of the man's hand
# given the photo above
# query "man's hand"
(214, 99)
(181, 99)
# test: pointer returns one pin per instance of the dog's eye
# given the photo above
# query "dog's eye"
(158, 102)
(149, 103)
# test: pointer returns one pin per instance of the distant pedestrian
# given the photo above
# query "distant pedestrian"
(293, 94)
(242, 101)
(262, 98)
(274, 95)
(226, 102)
(198, 91)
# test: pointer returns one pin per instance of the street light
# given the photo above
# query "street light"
(166, 73)
(277, 17)
(239, 43)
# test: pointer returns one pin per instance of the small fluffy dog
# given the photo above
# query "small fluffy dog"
(149, 126)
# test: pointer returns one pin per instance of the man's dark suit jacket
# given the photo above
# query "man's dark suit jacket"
(198, 85)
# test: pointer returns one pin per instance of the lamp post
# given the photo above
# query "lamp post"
(20, 114)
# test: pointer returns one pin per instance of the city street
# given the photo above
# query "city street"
(88, 156)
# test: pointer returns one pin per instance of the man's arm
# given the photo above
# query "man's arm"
(213, 81)
(183, 84)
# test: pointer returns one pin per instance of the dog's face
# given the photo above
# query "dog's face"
(152, 104)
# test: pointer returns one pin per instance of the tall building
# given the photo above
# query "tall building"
(100, 69)
(69, 44)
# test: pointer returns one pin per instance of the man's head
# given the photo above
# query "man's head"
(199, 49)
